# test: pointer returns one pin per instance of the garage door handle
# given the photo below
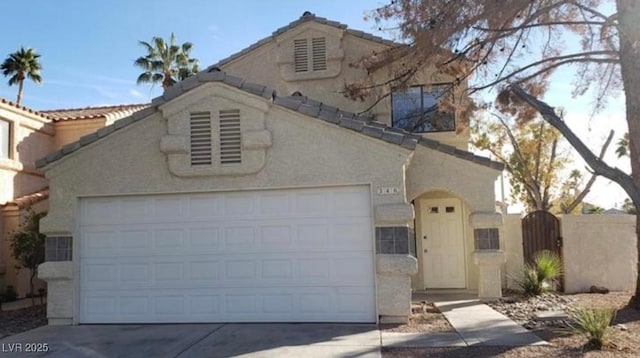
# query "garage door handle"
(424, 237)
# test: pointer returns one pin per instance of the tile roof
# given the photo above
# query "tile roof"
(26, 201)
(306, 17)
(94, 112)
(299, 104)
(23, 108)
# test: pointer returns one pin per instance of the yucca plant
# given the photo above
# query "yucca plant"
(594, 324)
(538, 277)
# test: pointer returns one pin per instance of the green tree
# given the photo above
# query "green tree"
(166, 63)
(21, 65)
(28, 245)
(628, 207)
(530, 154)
(517, 44)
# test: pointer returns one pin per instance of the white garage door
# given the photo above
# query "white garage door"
(303, 255)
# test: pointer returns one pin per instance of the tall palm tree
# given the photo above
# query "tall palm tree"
(20, 65)
(166, 63)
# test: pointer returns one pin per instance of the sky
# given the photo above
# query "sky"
(88, 49)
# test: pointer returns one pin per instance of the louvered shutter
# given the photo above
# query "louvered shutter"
(230, 137)
(200, 124)
(301, 55)
(319, 53)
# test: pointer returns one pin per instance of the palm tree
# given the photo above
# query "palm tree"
(22, 64)
(166, 63)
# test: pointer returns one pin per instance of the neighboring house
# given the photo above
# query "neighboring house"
(229, 200)
(25, 136)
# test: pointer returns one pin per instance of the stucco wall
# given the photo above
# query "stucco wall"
(431, 170)
(32, 138)
(599, 250)
(71, 130)
(265, 66)
(304, 152)
(512, 240)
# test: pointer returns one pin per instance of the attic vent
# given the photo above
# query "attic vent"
(319, 53)
(230, 137)
(300, 55)
(200, 123)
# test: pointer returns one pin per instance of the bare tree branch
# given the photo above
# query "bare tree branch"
(567, 209)
(599, 167)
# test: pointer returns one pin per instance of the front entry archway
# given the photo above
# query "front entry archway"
(442, 235)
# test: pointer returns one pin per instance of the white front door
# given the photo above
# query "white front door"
(293, 255)
(442, 243)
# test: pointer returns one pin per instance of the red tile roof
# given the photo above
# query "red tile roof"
(94, 112)
(26, 201)
(26, 109)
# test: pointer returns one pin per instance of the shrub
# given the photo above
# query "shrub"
(10, 294)
(538, 277)
(593, 324)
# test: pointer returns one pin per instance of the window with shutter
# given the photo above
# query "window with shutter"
(301, 55)
(200, 129)
(230, 137)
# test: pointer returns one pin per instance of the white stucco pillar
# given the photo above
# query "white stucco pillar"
(394, 286)
(59, 277)
(489, 277)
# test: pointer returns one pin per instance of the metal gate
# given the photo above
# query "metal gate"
(541, 231)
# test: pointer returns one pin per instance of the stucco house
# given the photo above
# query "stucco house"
(25, 136)
(252, 192)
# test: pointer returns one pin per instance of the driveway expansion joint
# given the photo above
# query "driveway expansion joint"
(201, 339)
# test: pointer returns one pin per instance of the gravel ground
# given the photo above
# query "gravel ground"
(625, 331)
(17, 321)
(424, 318)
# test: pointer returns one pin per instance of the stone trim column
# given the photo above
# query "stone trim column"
(489, 261)
(489, 278)
(394, 286)
(60, 298)
(394, 265)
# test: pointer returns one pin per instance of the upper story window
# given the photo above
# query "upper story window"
(5, 139)
(310, 55)
(415, 109)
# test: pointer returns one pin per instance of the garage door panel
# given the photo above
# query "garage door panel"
(277, 269)
(301, 255)
(313, 304)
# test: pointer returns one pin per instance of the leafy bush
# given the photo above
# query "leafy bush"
(10, 294)
(594, 324)
(538, 277)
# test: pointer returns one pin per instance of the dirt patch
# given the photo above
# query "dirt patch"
(424, 318)
(625, 332)
(17, 321)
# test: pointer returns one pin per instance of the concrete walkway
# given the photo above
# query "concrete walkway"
(475, 324)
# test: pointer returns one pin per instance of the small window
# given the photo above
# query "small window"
(415, 109)
(434, 210)
(200, 126)
(316, 54)
(5, 139)
(58, 248)
(230, 137)
(450, 209)
(486, 239)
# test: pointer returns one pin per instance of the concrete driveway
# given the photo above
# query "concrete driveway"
(199, 340)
